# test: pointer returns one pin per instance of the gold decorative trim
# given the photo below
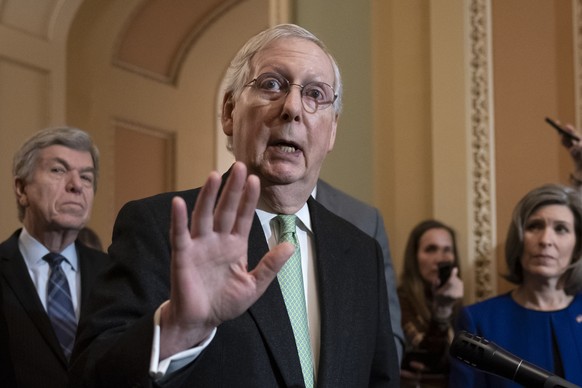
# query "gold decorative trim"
(481, 123)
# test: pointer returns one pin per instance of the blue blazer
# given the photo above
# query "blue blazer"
(525, 333)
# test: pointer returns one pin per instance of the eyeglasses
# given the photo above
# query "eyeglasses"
(314, 95)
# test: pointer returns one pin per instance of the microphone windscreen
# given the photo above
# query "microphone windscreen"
(487, 356)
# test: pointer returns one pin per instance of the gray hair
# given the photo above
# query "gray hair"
(26, 158)
(549, 194)
(239, 70)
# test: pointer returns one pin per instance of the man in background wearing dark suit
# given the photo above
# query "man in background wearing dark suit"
(55, 177)
(368, 219)
(203, 297)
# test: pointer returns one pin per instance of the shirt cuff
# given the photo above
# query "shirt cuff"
(159, 369)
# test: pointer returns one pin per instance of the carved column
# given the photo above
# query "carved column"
(483, 173)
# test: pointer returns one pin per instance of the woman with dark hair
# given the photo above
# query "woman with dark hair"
(430, 292)
(540, 320)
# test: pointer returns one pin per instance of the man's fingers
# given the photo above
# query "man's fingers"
(271, 264)
(247, 206)
(227, 208)
(203, 213)
(179, 223)
(236, 205)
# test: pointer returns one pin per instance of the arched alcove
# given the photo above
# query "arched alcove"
(153, 119)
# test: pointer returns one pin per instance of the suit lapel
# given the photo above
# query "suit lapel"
(18, 282)
(270, 313)
(89, 266)
(270, 316)
(336, 289)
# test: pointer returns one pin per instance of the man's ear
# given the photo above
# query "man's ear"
(333, 133)
(20, 191)
(227, 110)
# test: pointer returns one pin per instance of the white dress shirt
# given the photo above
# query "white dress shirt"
(33, 252)
(159, 369)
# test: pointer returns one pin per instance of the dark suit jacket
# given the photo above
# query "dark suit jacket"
(6, 368)
(256, 349)
(36, 355)
(369, 220)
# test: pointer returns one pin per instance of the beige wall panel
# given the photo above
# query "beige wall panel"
(403, 175)
(30, 16)
(25, 48)
(35, 33)
(451, 136)
(23, 111)
(566, 75)
(528, 76)
(144, 166)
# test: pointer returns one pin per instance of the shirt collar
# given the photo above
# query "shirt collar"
(303, 216)
(33, 251)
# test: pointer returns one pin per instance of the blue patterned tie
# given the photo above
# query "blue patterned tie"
(291, 282)
(59, 304)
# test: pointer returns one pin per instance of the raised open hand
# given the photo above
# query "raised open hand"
(210, 282)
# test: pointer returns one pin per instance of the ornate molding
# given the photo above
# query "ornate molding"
(481, 119)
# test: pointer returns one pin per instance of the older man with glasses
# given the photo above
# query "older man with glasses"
(262, 286)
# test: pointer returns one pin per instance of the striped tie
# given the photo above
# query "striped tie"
(59, 304)
(291, 281)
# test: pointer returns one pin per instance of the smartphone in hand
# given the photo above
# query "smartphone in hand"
(562, 131)
(445, 269)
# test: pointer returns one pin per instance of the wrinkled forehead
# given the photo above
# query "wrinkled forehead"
(293, 55)
(72, 156)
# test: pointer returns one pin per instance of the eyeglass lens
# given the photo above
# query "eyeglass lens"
(314, 95)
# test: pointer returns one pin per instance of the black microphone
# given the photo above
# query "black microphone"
(485, 355)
